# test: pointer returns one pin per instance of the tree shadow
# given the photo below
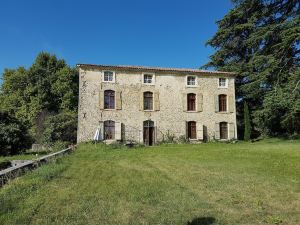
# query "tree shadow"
(202, 221)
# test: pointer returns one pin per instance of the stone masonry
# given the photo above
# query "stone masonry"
(169, 114)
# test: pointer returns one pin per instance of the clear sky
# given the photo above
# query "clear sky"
(168, 33)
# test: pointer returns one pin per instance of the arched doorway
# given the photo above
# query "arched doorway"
(148, 132)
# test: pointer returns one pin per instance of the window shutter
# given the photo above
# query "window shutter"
(199, 131)
(156, 101)
(216, 103)
(184, 102)
(186, 130)
(101, 99)
(231, 103)
(142, 101)
(101, 130)
(118, 131)
(200, 102)
(118, 100)
(231, 131)
(217, 131)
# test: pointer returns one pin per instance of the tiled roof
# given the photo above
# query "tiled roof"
(154, 69)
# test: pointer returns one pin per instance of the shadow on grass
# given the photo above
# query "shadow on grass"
(202, 221)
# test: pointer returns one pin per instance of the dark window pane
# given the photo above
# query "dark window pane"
(192, 130)
(109, 99)
(191, 102)
(148, 101)
(222, 103)
(223, 130)
(109, 130)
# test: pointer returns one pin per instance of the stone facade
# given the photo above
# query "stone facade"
(169, 113)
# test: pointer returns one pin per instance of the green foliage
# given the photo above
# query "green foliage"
(247, 125)
(260, 41)
(47, 92)
(13, 135)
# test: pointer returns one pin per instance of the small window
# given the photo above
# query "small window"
(148, 101)
(109, 99)
(222, 103)
(223, 130)
(191, 81)
(108, 76)
(148, 79)
(223, 82)
(191, 130)
(191, 102)
(109, 130)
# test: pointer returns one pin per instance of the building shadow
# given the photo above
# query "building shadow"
(202, 221)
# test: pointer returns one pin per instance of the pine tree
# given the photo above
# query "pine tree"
(247, 126)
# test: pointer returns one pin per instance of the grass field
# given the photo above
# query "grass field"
(20, 157)
(243, 183)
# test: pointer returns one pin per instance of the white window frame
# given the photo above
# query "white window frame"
(226, 82)
(113, 79)
(153, 79)
(191, 85)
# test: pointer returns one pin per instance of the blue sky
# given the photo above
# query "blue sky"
(168, 33)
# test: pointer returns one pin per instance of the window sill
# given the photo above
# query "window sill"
(191, 86)
(191, 111)
(225, 112)
(148, 110)
(220, 87)
(109, 109)
(149, 84)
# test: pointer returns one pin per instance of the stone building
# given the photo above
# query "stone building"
(152, 104)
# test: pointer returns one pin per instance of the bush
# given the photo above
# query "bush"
(13, 135)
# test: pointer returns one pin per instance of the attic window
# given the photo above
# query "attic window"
(191, 81)
(108, 76)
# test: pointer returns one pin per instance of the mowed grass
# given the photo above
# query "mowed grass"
(215, 183)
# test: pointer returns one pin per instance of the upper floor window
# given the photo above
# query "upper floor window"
(191, 102)
(148, 100)
(109, 76)
(109, 99)
(109, 130)
(222, 103)
(148, 78)
(223, 83)
(191, 81)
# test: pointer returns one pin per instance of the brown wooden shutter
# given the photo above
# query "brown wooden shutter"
(217, 131)
(231, 131)
(118, 100)
(156, 101)
(231, 103)
(216, 103)
(200, 102)
(184, 102)
(142, 101)
(101, 99)
(199, 131)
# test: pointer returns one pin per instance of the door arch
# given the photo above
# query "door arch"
(148, 132)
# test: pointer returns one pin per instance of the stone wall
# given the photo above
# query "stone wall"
(169, 115)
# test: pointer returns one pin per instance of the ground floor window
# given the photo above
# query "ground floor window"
(148, 132)
(191, 130)
(109, 130)
(223, 130)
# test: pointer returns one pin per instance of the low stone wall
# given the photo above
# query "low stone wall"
(21, 168)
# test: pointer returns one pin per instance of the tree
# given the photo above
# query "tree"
(247, 129)
(13, 135)
(259, 39)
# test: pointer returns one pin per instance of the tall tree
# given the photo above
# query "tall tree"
(259, 39)
(247, 125)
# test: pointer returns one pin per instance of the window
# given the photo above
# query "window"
(109, 99)
(223, 130)
(192, 130)
(148, 101)
(148, 79)
(108, 76)
(191, 81)
(109, 130)
(191, 102)
(222, 103)
(222, 82)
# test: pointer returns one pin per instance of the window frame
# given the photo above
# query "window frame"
(153, 78)
(107, 125)
(113, 76)
(194, 102)
(226, 130)
(191, 85)
(221, 103)
(114, 99)
(148, 97)
(226, 82)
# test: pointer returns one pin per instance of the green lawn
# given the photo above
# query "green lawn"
(243, 183)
